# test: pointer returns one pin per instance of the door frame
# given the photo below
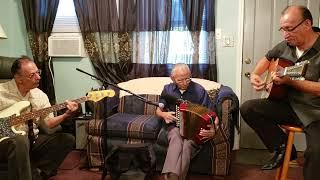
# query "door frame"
(239, 65)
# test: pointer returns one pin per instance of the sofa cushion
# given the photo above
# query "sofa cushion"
(133, 126)
(133, 105)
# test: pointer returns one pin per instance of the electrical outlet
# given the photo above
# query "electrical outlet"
(228, 41)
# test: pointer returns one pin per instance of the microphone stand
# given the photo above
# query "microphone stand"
(118, 87)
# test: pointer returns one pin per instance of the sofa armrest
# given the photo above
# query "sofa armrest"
(224, 133)
(133, 105)
(223, 140)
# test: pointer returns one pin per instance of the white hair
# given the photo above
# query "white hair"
(179, 67)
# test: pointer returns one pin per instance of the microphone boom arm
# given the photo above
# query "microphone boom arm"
(118, 87)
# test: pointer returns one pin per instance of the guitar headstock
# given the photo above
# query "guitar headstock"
(96, 96)
(297, 70)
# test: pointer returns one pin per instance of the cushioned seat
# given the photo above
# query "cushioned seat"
(133, 125)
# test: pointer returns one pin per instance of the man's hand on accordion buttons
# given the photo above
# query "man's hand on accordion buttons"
(169, 117)
(209, 134)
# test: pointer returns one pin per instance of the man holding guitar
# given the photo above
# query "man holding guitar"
(48, 150)
(301, 106)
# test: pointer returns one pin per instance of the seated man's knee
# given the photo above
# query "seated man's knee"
(18, 146)
(245, 108)
(175, 138)
(174, 134)
(67, 139)
(249, 109)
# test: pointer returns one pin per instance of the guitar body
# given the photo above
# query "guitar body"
(273, 91)
(6, 130)
(282, 68)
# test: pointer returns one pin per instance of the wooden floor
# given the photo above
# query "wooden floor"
(240, 170)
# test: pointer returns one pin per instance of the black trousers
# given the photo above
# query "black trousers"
(47, 154)
(264, 117)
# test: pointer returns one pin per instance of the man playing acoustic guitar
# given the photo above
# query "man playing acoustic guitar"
(301, 106)
(48, 150)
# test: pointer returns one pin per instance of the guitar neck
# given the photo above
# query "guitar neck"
(41, 112)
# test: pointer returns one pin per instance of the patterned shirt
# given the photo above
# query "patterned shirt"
(10, 103)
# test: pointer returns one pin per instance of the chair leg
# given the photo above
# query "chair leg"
(278, 174)
(287, 156)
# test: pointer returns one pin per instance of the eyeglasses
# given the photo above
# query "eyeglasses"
(187, 80)
(291, 29)
(33, 75)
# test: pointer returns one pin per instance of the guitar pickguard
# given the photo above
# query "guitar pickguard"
(6, 130)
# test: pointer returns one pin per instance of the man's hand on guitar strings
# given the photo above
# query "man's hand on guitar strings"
(256, 81)
(279, 80)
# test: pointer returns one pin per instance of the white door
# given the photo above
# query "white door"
(261, 24)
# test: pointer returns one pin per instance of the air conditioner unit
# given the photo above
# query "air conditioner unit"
(66, 45)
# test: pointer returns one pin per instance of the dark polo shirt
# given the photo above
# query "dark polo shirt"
(195, 93)
(306, 106)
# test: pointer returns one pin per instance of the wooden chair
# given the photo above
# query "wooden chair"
(282, 171)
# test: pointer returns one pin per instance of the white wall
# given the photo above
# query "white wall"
(227, 19)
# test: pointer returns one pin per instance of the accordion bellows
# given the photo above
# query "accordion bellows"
(192, 118)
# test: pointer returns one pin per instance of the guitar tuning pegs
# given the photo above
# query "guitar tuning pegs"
(298, 78)
(302, 62)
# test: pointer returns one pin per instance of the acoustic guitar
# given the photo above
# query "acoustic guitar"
(11, 117)
(282, 68)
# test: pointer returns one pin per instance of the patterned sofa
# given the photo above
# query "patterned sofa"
(136, 122)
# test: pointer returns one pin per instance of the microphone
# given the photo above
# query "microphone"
(160, 105)
(172, 99)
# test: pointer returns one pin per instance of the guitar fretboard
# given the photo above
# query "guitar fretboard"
(38, 113)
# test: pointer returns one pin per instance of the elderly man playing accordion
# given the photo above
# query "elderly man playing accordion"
(181, 150)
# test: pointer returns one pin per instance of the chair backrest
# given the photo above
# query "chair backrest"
(154, 85)
(150, 88)
(5, 66)
(133, 105)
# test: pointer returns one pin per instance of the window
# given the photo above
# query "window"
(66, 19)
(181, 45)
(66, 40)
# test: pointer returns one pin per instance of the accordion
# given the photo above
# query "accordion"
(192, 118)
